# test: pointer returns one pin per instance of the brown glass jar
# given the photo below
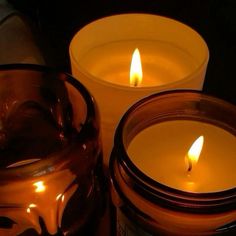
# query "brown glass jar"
(146, 206)
(50, 154)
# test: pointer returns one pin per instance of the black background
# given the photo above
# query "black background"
(215, 20)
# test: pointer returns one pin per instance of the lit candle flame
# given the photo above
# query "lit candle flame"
(40, 187)
(194, 152)
(136, 73)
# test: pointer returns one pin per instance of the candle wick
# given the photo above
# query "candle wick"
(135, 83)
(189, 166)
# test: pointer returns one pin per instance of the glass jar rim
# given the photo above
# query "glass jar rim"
(34, 167)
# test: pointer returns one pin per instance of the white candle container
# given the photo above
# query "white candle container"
(146, 204)
(173, 55)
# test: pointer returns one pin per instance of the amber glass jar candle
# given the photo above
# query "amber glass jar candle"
(158, 187)
(50, 154)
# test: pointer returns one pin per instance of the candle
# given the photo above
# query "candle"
(172, 166)
(173, 56)
(50, 153)
(159, 151)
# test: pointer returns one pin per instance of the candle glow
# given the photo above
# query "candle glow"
(58, 196)
(32, 205)
(40, 187)
(194, 152)
(136, 73)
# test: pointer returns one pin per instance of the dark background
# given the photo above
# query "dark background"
(215, 20)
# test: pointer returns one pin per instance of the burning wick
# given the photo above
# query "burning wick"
(194, 152)
(136, 73)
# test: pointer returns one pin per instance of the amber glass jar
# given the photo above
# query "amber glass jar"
(50, 154)
(146, 206)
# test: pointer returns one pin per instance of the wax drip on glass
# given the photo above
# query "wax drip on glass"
(136, 73)
(194, 153)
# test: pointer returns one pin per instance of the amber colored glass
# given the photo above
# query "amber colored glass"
(50, 154)
(131, 189)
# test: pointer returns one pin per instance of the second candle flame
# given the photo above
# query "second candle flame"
(194, 152)
(136, 73)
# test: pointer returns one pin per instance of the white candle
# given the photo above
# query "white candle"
(159, 152)
(173, 56)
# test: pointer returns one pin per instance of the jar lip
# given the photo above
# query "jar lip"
(30, 168)
(179, 92)
(151, 188)
(172, 199)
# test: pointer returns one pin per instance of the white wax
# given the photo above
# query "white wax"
(162, 62)
(159, 152)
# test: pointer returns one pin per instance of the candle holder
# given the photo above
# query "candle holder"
(50, 154)
(173, 55)
(149, 203)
